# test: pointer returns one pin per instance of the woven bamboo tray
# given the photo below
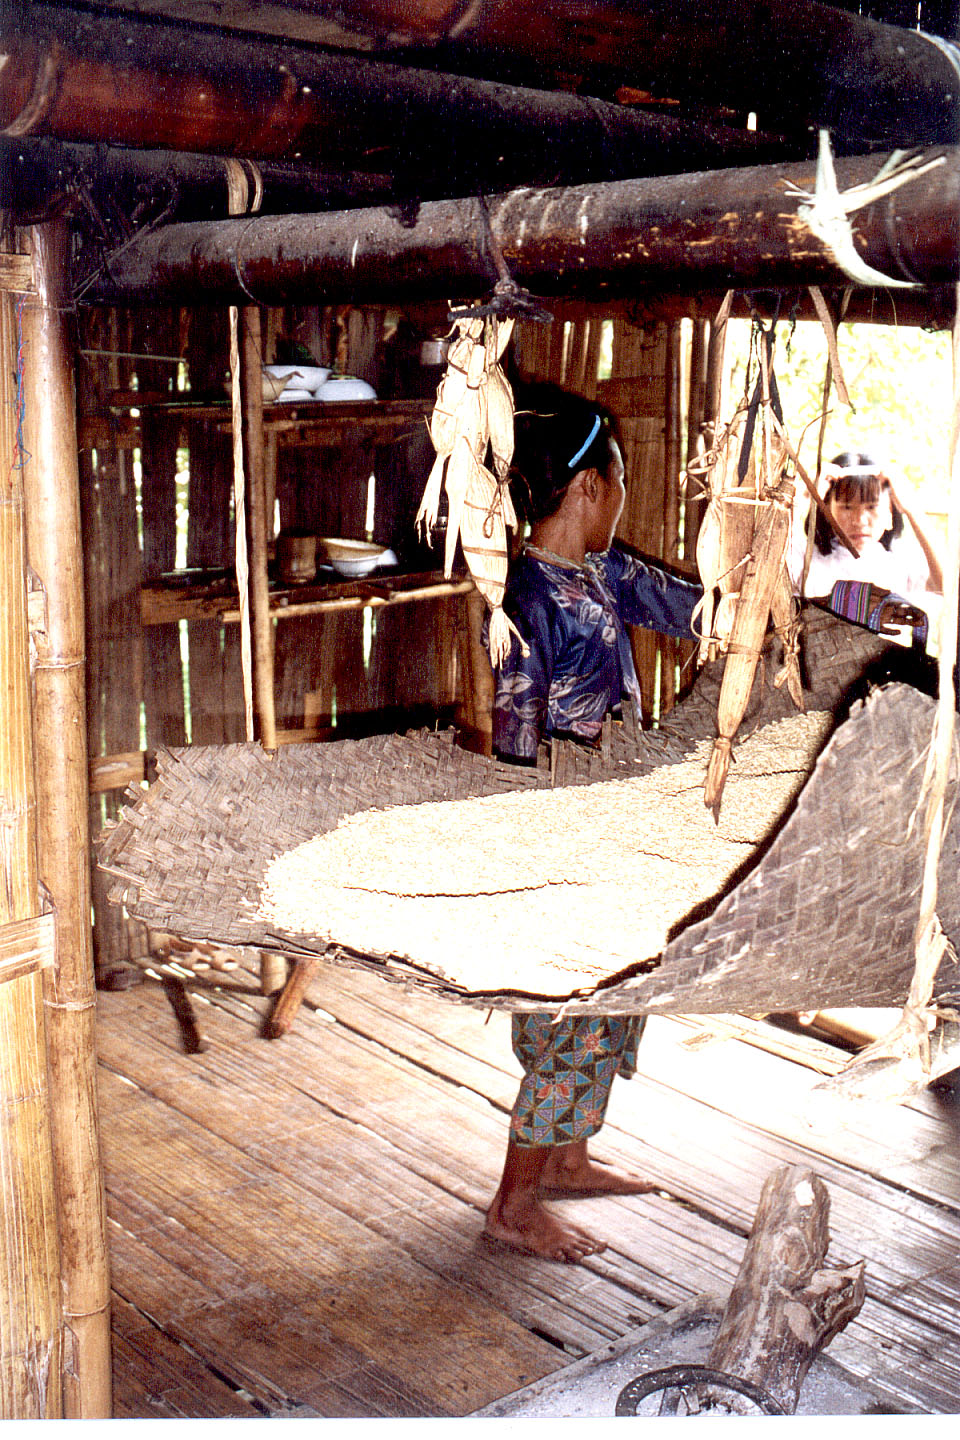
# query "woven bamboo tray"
(822, 917)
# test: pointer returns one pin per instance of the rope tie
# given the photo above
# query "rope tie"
(827, 210)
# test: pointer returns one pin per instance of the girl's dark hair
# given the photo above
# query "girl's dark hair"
(855, 475)
(556, 436)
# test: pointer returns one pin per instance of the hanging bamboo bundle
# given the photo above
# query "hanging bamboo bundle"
(473, 414)
(724, 536)
(741, 553)
(762, 574)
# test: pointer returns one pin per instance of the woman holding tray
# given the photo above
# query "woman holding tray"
(571, 596)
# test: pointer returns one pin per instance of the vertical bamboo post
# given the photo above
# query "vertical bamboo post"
(694, 503)
(30, 1314)
(672, 450)
(475, 709)
(251, 351)
(54, 548)
(716, 370)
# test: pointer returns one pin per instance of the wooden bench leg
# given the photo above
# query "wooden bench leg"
(301, 973)
(273, 972)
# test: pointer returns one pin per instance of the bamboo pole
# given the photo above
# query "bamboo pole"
(694, 502)
(171, 88)
(251, 365)
(52, 497)
(672, 449)
(30, 1317)
(372, 601)
(855, 74)
(692, 231)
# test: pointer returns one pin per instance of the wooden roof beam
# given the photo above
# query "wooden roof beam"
(796, 63)
(82, 77)
(735, 229)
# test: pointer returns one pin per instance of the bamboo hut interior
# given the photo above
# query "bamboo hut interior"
(197, 1220)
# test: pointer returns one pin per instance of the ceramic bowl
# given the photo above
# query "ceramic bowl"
(351, 557)
(346, 387)
(293, 397)
(299, 377)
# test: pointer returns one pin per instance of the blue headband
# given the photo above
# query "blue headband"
(586, 444)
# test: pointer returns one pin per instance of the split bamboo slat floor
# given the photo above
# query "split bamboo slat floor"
(295, 1224)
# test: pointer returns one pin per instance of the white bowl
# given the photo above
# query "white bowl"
(292, 397)
(353, 557)
(346, 387)
(299, 377)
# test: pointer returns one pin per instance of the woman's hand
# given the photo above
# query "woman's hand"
(905, 499)
(895, 613)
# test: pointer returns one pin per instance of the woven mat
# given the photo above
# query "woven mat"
(823, 918)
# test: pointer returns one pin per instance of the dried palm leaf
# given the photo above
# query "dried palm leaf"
(473, 414)
(763, 570)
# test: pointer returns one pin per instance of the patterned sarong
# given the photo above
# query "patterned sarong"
(569, 1066)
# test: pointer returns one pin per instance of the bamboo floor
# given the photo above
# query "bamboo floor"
(295, 1224)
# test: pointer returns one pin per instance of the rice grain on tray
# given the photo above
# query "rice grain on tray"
(541, 891)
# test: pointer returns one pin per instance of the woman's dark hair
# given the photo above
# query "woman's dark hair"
(854, 475)
(556, 436)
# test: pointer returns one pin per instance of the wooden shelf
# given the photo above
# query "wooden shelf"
(166, 604)
(314, 422)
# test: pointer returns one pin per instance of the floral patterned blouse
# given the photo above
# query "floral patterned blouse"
(580, 665)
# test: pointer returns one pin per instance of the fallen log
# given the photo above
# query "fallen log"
(785, 1305)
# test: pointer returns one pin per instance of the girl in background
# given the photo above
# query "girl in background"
(895, 555)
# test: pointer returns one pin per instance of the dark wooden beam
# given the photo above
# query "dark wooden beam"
(730, 229)
(796, 63)
(81, 77)
(38, 173)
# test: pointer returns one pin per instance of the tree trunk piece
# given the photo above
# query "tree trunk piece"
(785, 1306)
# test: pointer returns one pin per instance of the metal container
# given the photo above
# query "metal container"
(296, 557)
(434, 352)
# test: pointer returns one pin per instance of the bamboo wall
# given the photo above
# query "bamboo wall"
(181, 682)
(340, 673)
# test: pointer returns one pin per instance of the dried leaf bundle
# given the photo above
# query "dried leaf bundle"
(741, 556)
(473, 415)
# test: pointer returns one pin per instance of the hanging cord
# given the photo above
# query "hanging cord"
(766, 395)
(931, 943)
(238, 191)
(832, 376)
(510, 300)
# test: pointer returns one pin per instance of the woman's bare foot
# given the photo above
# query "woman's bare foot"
(524, 1224)
(570, 1171)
